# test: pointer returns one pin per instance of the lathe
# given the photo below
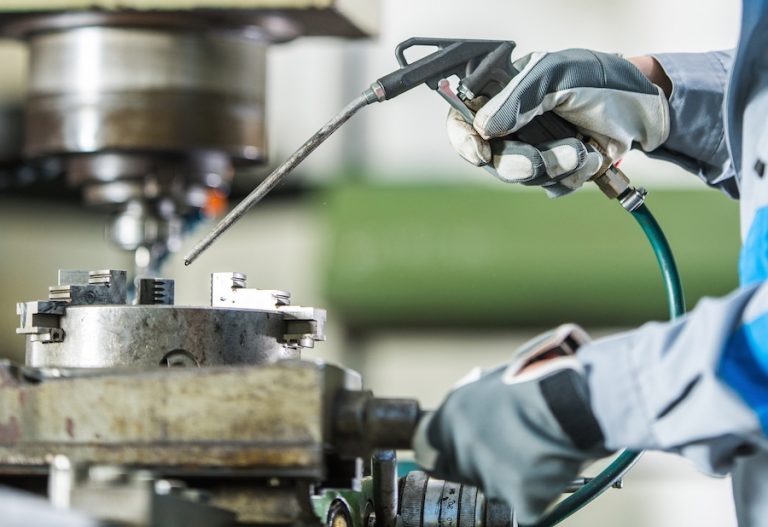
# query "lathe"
(155, 414)
(129, 409)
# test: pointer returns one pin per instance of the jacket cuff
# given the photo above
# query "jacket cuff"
(616, 392)
(696, 104)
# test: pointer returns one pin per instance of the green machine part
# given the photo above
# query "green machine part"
(344, 507)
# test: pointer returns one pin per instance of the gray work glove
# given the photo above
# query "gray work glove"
(521, 432)
(604, 96)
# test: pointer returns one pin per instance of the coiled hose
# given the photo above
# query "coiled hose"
(676, 302)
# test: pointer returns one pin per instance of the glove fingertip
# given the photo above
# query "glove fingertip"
(471, 147)
(483, 150)
(482, 117)
(475, 150)
(515, 168)
(593, 162)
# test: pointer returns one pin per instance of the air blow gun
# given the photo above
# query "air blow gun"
(483, 68)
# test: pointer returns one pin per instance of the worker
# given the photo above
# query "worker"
(697, 386)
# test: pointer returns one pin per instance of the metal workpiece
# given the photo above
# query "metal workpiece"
(363, 423)
(430, 502)
(268, 421)
(86, 323)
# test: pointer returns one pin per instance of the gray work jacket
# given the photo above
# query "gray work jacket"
(699, 386)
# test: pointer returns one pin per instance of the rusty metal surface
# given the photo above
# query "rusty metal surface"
(301, 461)
(271, 417)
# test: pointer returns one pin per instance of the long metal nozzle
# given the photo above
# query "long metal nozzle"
(277, 175)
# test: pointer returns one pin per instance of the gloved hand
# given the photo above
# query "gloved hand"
(521, 432)
(604, 96)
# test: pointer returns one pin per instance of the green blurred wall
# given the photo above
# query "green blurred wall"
(452, 255)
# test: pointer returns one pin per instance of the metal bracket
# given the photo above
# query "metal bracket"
(303, 325)
(41, 318)
(102, 287)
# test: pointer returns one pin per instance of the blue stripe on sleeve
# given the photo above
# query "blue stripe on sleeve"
(744, 366)
(753, 262)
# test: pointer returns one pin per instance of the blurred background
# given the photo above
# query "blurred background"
(426, 265)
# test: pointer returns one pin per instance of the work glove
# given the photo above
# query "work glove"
(521, 432)
(605, 97)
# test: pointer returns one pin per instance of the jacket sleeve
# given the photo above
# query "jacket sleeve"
(697, 386)
(697, 136)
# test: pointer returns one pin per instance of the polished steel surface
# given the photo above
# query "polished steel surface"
(107, 88)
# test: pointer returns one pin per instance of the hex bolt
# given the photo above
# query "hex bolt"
(239, 280)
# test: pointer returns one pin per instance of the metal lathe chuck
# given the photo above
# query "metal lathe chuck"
(86, 322)
(430, 502)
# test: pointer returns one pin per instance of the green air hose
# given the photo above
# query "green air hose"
(626, 459)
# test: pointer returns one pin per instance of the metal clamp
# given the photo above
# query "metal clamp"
(633, 198)
(303, 325)
(41, 318)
